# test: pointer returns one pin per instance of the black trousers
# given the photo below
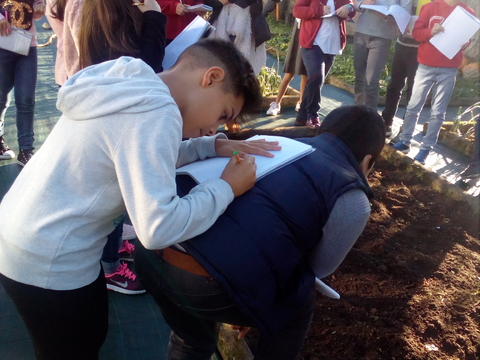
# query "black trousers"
(63, 325)
(404, 66)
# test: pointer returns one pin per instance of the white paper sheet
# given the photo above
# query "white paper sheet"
(459, 27)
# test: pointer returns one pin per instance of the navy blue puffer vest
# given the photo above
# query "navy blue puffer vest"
(258, 249)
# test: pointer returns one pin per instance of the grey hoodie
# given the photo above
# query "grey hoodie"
(115, 148)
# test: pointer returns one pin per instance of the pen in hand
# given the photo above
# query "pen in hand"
(239, 160)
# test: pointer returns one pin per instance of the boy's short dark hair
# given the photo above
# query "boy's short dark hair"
(360, 127)
(239, 76)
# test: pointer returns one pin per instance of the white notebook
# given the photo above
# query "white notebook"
(18, 41)
(213, 168)
(199, 7)
(401, 16)
(194, 31)
(459, 27)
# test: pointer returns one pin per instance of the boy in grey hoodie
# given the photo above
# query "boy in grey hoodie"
(115, 149)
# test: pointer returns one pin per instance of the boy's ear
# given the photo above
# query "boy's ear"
(213, 75)
(364, 165)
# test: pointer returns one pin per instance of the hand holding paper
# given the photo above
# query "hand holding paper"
(458, 28)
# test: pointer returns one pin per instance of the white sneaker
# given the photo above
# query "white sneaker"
(128, 232)
(274, 109)
(297, 107)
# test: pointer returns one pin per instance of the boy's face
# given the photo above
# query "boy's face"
(210, 109)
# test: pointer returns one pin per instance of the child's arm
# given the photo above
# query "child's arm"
(310, 9)
(152, 48)
(4, 26)
(38, 9)
(422, 30)
(345, 224)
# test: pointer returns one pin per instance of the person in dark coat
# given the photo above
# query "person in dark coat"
(257, 265)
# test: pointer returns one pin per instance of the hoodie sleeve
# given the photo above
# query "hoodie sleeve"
(145, 162)
(308, 9)
(422, 30)
(198, 149)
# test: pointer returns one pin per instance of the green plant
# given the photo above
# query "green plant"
(269, 81)
(472, 112)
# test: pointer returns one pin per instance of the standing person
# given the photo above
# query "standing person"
(133, 121)
(256, 266)
(293, 66)
(19, 72)
(435, 71)
(179, 16)
(373, 36)
(242, 23)
(128, 30)
(404, 67)
(321, 39)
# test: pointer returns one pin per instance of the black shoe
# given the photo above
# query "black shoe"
(24, 156)
(471, 172)
(5, 152)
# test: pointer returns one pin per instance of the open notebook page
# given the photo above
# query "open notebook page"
(213, 168)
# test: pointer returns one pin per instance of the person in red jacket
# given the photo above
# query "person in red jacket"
(321, 38)
(435, 71)
(178, 15)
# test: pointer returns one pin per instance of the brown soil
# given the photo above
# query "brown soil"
(410, 287)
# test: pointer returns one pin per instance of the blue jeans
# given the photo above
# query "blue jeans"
(369, 58)
(19, 72)
(442, 82)
(318, 65)
(110, 256)
(194, 305)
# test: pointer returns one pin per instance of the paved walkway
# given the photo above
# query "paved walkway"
(137, 329)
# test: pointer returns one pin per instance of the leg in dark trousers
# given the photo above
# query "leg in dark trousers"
(404, 66)
(318, 65)
(64, 325)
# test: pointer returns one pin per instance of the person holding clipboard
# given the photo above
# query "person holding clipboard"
(435, 71)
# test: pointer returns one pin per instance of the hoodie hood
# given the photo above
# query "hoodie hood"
(116, 86)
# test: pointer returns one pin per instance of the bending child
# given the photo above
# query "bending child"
(131, 122)
(256, 266)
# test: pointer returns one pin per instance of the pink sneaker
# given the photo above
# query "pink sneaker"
(126, 251)
(128, 232)
(124, 281)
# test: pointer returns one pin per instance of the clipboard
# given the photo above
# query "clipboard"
(18, 41)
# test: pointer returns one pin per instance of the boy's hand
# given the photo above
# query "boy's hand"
(241, 176)
(39, 8)
(181, 9)
(149, 5)
(343, 11)
(225, 147)
(243, 330)
(437, 28)
(5, 28)
(326, 9)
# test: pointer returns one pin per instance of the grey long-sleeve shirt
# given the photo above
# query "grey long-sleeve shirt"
(371, 22)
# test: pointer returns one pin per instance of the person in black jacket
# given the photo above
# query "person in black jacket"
(114, 28)
(257, 265)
